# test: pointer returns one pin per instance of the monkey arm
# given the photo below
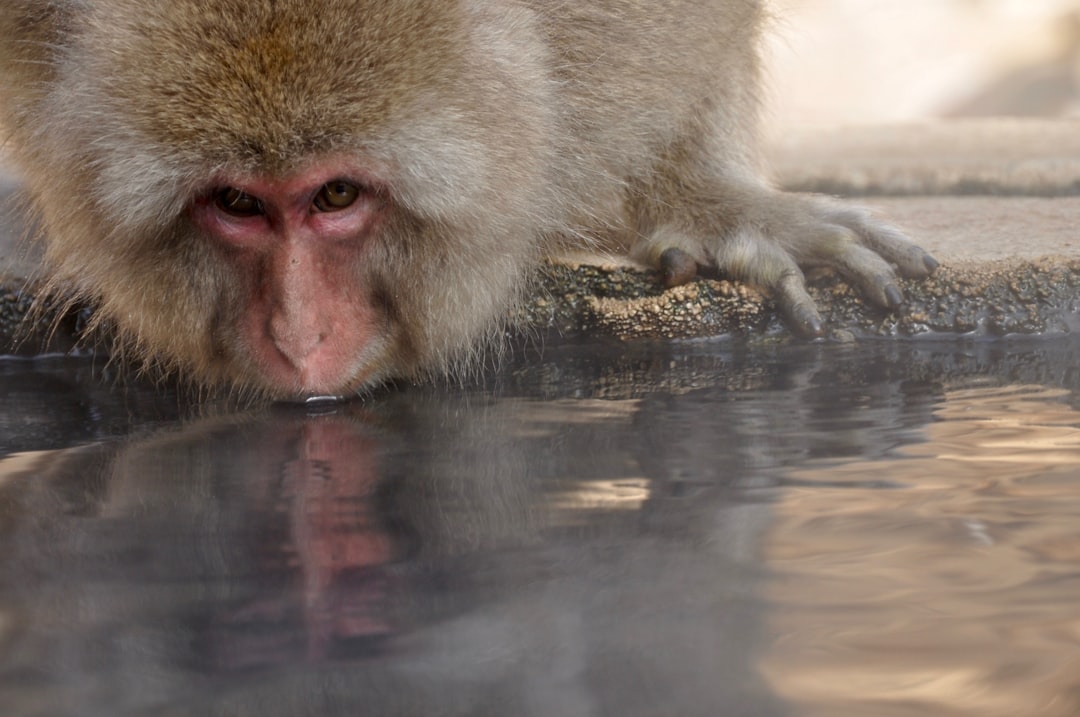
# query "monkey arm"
(684, 156)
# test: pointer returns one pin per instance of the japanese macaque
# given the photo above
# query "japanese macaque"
(307, 197)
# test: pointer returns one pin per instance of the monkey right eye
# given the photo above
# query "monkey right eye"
(237, 203)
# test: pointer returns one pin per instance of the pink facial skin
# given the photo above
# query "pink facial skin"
(298, 238)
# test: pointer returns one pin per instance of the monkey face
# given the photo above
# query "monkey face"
(289, 200)
(299, 244)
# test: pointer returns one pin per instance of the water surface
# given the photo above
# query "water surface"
(888, 528)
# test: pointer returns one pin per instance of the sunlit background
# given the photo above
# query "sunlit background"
(884, 61)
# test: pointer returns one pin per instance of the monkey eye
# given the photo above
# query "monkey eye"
(335, 196)
(237, 203)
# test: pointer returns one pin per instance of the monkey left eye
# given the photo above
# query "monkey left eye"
(336, 195)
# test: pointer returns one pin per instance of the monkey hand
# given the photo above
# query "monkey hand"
(771, 238)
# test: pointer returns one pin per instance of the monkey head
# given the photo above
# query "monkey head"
(257, 194)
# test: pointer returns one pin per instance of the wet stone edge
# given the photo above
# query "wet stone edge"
(991, 298)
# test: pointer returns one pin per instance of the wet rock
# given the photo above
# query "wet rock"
(1000, 298)
(631, 303)
(995, 299)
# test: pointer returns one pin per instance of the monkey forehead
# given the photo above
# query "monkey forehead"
(269, 79)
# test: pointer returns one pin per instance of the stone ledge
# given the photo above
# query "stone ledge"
(1000, 298)
(991, 298)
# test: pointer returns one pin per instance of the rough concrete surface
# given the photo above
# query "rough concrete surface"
(996, 201)
(998, 157)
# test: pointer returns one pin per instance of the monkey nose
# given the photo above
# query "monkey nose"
(295, 338)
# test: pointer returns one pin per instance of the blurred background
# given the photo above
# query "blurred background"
(889, 61)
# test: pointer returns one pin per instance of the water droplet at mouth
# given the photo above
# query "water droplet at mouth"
(315, 405)
(322, 405)
(312, 400)
(317, 401)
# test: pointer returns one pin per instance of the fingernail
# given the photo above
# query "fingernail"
(810, 324)
(930, 263)
(893, 296)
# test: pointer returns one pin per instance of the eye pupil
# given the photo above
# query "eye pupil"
(238, 203)
(336, 195)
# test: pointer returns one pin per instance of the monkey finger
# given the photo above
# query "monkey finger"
(871, 274)
(890, 243)
(754, 258)
(677, 267)
(796, 307)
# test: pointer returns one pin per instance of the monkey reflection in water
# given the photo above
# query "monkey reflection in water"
(418, 553)
(324, 533)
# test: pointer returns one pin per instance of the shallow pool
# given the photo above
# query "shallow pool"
(881, 528)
